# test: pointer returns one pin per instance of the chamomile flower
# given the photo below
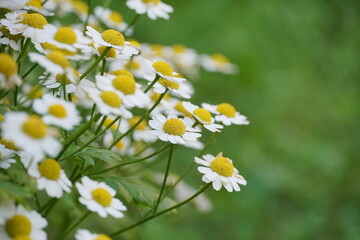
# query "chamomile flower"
(6, 157)
(49, 176)
(55, 81)
(8, 39)
(36, 6)
(226, 114)
(137, 65)
(16, 222)
(173, 129)
(153, 8)
(112, 19)
(221, 172)
(113, 55)
(203, 116)
(83, 234)
(54, 62)
(218, 63)
(68, 38)
(8, 72)
(123, 147)
(109, 102)
(162, 69)
(111, 38)
(29, 133)
(30, 25)
(99, 197)
(57, 112)
(132, 94)
(177, 87)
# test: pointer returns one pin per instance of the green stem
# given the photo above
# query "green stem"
(16, 95)
(23, 50)
(165, 178)
(75, 225)
(152, 83)
(130, 162)
(77, 134)
(139, 121)
(4, 94)
(30, 70)
(107, 49)
(100, 124)
(103, 66)
(91, 140)
(201, 190)
(63, 85)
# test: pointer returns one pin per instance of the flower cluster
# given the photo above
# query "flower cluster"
(79, 102)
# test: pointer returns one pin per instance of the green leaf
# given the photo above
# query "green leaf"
(90, 154)
(14, 190)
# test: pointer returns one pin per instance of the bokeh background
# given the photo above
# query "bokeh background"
(299, 86)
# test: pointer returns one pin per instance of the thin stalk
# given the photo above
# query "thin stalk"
(201, 190)
(165, 178)
(63, 85)
(152, 83)
(103, 66)
(130, 162)
(16, 90)
(144, 149)
(75, 225)
(100, 124)
(30, 70)
(107, 49)
(23, 50)
(4, 94)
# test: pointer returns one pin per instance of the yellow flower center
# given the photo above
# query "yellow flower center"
(151, 1)
(7, 34)
(116, 17)
(110, 54)
(18, 225)
(65, 35)
(155, 96)
(180, 107)
(119, 145)
(8, 66)
(34, 20)
(133, 65)
(80, 6)
(174, 126)
(8, 144)
(102, 196)
(35, 92)
(203, 114)
(178, 48)
(1, 155)
(111, 99)
(226, 109)
(124, 84)
(48, 46)
(168, 83)
(107, 123)
(220, 58)
(50, 169)
(58, 58)
(102, 237)
(142, 125)
(163, 67)
(58, 111)
(35, 127)
(158, 49)
(121, 72)
(59, 79)
(22, 237)
(113, 37)
(222, 166)
(1, 117)
(34, 3)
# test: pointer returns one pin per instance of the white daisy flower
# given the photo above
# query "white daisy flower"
(153, 8)
(12, 4)
(131, 92)
(49, 176)
(179, 88)
(55, 62)
(6, 157)
(17, 222)
(173, 129)
(203, 116)
(111, 38)
(137, 65)
(162, 69)
(122, 147)
(8, 39)
(8, 72)
(112, 19)
(55, 81)
(83, 234)
(113, 55)
(99, 197)
(226, 113)
(29, 133)
(221, 172)
(57, 112)
(218, 63)
(109, 102)
(30, 25)
(36, 6)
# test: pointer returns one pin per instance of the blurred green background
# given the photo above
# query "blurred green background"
(299, 86)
